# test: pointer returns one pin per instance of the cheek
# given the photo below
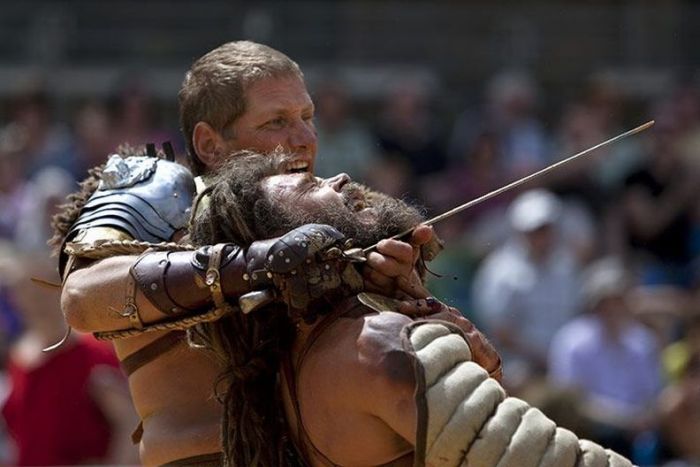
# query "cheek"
(326, 195)
(266, 142)
(261, 142)
(246, 138)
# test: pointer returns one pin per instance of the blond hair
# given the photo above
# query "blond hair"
(214, 88)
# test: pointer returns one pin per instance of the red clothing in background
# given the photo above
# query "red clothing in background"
(50, 413)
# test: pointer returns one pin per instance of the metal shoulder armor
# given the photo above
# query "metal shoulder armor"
(148, 198)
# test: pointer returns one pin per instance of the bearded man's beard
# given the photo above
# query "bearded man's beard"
(390, 216)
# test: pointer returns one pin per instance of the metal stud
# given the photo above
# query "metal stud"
(154, 286)
(246, 277)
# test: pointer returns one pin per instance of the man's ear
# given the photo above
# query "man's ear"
(208, 144)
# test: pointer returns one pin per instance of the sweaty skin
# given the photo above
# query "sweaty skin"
(357, 371)
(173, 394)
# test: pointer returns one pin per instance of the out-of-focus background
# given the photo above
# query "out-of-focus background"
(587, 280)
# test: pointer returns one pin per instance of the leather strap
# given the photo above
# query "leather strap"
(130, 310)
(180, 282)
(152, 351)
(213, 275)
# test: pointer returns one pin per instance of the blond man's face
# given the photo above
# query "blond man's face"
(279, 113)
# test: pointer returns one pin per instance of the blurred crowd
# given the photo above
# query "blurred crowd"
(587, 280)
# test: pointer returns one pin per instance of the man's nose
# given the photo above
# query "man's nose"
(303, 136)
(336, 182)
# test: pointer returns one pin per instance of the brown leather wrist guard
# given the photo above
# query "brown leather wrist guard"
(178, 282)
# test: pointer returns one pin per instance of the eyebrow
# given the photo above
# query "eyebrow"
(309, 106)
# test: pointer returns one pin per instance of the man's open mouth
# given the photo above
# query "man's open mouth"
(298, 167)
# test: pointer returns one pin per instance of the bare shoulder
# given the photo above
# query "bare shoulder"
(358, 372)
(380, 347)
(363, 355)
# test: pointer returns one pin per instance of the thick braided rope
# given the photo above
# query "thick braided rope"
(101, 249)
(179, 324)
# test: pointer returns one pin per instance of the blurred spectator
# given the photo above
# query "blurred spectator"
(686, 106)
(656, 211)
(510, 114)
(10, 322)
(680, 401)
(133, 118)
(528, 288)
(71, 405)
(408, 131)
(611, 358)
(44, 193)
(346, 145)
(94, 140)
(476, 172)
(12, 181)
(592, 179)
(40, 141)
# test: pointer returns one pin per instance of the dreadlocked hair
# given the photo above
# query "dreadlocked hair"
(69, 212)
(249, 347)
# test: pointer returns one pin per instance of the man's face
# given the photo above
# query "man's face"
(279, 113)
(359, 213)
(540, 241)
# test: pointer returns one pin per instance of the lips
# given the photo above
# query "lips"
(298, 166)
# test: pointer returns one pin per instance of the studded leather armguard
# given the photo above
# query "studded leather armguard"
(178, 282)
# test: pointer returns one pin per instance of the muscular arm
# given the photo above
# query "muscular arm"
(94, 295)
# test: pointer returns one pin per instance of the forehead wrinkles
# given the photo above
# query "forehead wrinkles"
(277, 94)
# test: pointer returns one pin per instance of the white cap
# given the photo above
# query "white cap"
(534, 209)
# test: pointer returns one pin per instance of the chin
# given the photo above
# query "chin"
(367, 216)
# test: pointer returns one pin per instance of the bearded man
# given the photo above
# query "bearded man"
(241, 95)
(349, 381)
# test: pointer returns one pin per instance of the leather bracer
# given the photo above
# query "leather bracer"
(178, 282)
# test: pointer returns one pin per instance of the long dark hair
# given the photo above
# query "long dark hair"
(249, 347)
